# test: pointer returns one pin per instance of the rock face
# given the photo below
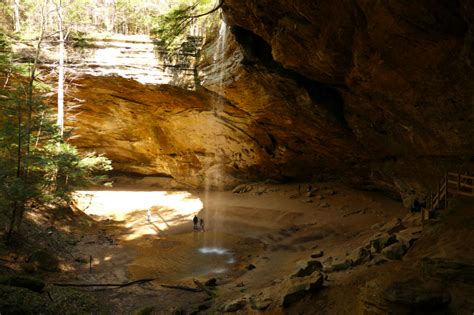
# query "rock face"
(165, 130)
(379, 94)
(396, 77)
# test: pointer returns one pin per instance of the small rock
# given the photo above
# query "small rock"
(243, 188)
(309, 200)
(276, 281)
(309, 194)
(211, 282)
(319, 197)
(260, 302)
(341, 266)
(240, 284)
(250, 267)
(318, 254)
(324, 205)
(235, 305)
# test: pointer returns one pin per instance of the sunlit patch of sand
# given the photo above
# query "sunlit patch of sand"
(167, 209)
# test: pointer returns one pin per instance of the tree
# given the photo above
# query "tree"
(61, 56)
(36, 164)
(173, 25)
(16, 10)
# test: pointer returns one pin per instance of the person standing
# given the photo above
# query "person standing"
(195, 222)
(148, 215)
(201, 222)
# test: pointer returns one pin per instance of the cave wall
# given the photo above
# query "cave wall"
(378, 94)
(403, 70)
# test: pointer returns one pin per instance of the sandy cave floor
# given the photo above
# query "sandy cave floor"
(271, 227)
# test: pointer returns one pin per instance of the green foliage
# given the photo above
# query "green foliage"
(35, 163)
(63, 169)
(171, 26)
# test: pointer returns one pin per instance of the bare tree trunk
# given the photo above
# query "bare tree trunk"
(60, 118)
(16, 12)
(29, 102)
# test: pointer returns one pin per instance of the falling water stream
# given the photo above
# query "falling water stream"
(213, 177)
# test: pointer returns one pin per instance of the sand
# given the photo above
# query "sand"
(271, 227)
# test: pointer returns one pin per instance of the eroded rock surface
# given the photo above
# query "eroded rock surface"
(378, 94)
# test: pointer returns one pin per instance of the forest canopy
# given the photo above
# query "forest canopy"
(94, 16)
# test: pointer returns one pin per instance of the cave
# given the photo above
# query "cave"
(274, 157)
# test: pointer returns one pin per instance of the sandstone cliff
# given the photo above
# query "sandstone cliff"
(378, 94)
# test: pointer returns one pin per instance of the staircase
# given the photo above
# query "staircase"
(452, 183)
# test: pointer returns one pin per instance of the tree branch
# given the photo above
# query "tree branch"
(209, 12)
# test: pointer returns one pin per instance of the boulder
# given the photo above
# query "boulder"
(296, 288)
(307, 268)
(394, 251)
(409, 235)
(393, 226)
(359, 256)
(261, 301)
(235, 305)
(332, 265)
(381, 240)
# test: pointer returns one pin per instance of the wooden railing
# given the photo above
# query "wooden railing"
(452, 183)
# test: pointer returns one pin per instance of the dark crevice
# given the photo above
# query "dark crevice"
(137, 175)
(257, 51)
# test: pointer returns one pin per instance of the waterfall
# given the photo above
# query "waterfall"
(213, 169)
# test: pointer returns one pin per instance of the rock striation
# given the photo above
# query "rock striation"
(380, 95)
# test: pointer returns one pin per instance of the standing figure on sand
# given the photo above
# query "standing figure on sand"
(196, 220)
(148, 215)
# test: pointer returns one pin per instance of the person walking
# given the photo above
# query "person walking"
(148, 215)
(201, 223)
